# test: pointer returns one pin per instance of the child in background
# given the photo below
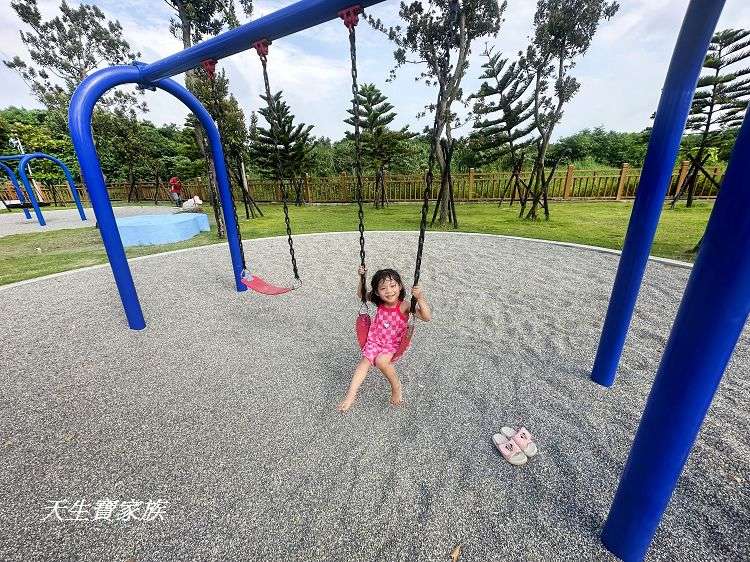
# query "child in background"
(175, 191)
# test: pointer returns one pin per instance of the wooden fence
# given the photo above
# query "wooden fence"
(567, 184)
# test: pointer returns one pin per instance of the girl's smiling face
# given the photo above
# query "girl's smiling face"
(389, 290)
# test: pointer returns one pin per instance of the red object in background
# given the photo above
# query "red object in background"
(175, 184)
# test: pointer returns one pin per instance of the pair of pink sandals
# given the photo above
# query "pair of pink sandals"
(515, 445)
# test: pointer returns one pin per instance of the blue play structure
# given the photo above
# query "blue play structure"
(17, 188)
(23, 161)
(713, 310)
(144, 230)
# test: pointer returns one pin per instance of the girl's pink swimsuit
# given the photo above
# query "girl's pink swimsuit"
(386, 332)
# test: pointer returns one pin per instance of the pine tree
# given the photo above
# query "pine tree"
(720, 99)
(508, 125)
(380, 145)
(281, 150)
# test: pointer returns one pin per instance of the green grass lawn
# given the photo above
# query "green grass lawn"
(25, 256)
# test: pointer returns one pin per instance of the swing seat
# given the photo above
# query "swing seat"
(362, 328)
(405, 343)
(260, 285)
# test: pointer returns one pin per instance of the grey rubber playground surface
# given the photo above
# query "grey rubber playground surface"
(223, 407)
(60, 218)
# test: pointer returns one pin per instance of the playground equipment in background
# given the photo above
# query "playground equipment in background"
(21, 201)
(33, 201)
(692, 365)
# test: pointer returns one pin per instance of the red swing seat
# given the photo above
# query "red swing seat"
(260, 285)
(362, 328)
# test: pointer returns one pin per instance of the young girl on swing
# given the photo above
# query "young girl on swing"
(386, 331)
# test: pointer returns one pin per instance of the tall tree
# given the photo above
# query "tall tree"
(65, 49)
(720, 99)
(214, 94)
(504, 117)
(439, 34)
(380, 145)
(281, 150)
(194, 20)
(563, 31)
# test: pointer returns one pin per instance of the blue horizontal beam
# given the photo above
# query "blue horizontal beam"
(281, 23)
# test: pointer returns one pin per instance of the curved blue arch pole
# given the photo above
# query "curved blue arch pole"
(709, 322)
(68, 176)
(19, 192)
(79, 121)
(671, 115)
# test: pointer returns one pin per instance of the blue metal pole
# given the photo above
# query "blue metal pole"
(709, 322)
(16, 187)
(222, 177)
(68, 176)
(79, 121)
(679, 86)
(80, 112)
(288, 20)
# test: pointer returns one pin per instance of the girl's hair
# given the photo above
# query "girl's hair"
(382, 275)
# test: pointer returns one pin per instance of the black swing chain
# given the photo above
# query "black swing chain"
(450, 39)
(219, 117)
(425, 204)
(358, 156)
(279, 171)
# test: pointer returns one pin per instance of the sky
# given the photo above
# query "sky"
(621, 75)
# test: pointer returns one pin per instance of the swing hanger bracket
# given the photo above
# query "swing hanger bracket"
(351, 15)
(209, 65)
(261, 47)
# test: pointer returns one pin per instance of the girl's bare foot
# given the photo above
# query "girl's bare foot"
(345, 404)
(397, 399)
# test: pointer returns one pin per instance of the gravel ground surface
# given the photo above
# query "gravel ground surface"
(16, 223)
(224, 408)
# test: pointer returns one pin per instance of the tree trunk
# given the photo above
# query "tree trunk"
(245, 190)
(693, 182)
(131, 182)
(298, 183)
(540, 182)
(443, 209)
(186, 26)
(220, 228)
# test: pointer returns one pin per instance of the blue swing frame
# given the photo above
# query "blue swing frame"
(23, 162)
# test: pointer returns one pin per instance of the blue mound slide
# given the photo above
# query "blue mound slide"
(144, 230)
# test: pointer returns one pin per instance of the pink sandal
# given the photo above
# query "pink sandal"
(522, 438)
(509, 449)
